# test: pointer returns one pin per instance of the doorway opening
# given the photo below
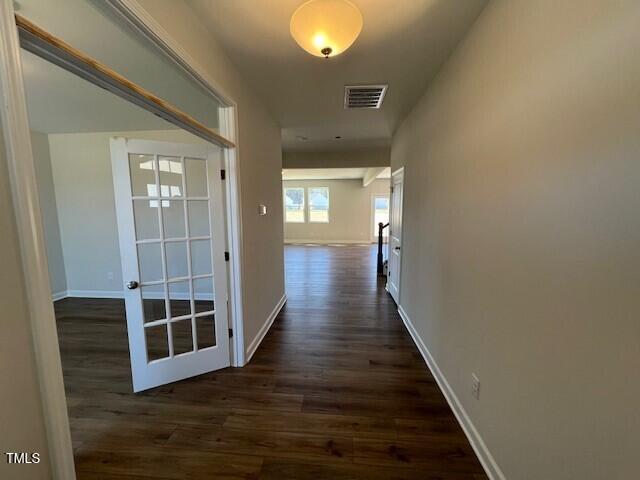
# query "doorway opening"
(89, 179)
(334, 206)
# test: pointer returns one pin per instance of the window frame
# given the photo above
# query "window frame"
(328, 220)
(304, 204)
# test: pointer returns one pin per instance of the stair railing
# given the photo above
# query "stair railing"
(381, 227)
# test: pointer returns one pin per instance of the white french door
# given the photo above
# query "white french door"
(171, 230)
(395, 235)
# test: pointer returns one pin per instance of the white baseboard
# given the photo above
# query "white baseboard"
(120, 294)
(59, 295)
(95, 293)
(327, 242)
(484, 455)
(255, 343)
(331, 242)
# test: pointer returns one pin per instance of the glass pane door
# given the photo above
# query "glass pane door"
(171, 214)
(173, 303)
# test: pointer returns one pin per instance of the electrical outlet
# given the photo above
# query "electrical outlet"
(109, 275)
(475, 386)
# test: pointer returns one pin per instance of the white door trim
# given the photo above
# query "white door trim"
(29, 222)
(229, 128)
(15, 124)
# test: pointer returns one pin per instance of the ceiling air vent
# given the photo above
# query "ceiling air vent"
(364, 96)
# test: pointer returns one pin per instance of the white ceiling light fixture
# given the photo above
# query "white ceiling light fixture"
(326, 28)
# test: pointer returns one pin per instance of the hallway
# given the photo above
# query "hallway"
(337, 390)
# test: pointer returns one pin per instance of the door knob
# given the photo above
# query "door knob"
(396, 248)
(132, 285)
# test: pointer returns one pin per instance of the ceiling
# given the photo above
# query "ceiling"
(60, 102)
(330, 173)
(402, 44)
(118, 45)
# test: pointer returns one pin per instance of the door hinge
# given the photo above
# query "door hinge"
(223, 174)
(226, 256)
(231, 333)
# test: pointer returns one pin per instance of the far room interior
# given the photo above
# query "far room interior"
(335, 206)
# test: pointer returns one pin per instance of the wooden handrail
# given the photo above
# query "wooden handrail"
(51, 48)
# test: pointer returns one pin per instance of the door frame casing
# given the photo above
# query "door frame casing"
(28, 217)
(21, 167)
(233, 210)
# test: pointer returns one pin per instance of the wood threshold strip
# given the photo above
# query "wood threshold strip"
(51, 48)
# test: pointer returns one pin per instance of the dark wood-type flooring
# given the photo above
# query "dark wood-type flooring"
(337, 390)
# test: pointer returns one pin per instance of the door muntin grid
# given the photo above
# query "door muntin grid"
(176, 280)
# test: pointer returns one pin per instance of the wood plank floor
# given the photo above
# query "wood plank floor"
(337, 390)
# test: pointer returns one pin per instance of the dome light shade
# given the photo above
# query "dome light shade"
(326, 28)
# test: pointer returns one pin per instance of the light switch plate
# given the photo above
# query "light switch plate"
(262, 209)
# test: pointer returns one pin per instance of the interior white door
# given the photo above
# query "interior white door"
(395, 235)
(171, 231)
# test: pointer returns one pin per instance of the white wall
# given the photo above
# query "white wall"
(48, 206)
(260, 160)
(21, 420)
(522, 229)
(81, 165)
(350, 212)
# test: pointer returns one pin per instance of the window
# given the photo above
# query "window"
(380, 214)
(319, 204)
(317, 210)
(294, 205)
